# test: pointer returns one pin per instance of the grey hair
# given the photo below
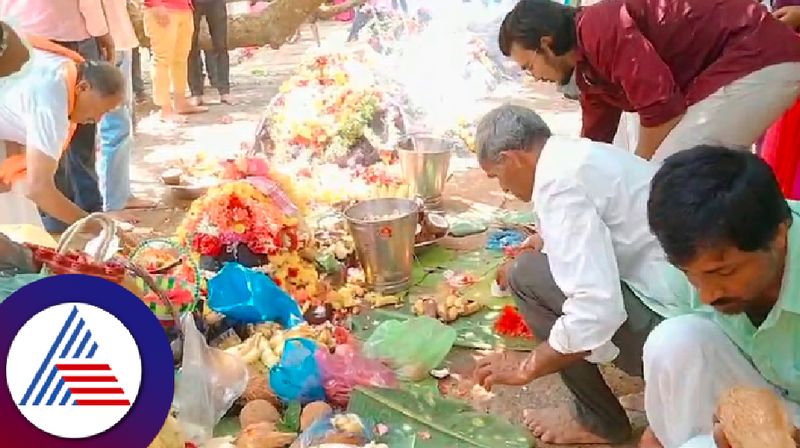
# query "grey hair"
(102, 77)
(509, 127)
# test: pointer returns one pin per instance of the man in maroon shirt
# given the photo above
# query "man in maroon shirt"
(696, 71)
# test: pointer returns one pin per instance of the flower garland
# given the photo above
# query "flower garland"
(238, 213)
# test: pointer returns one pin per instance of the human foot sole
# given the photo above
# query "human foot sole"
(558, 427)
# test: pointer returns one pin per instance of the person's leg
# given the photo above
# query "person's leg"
(736, 114)
(217, 18)
(689, 363)
(182, 45)
(195, 62)
(136, 74)
(81, 158)
(359, 21)
(596, 409)
(116, 142)
(162, 47)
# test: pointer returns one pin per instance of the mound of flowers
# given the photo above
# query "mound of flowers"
(326, 107)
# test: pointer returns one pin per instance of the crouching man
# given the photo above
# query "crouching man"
(604, 282)
(720, 216)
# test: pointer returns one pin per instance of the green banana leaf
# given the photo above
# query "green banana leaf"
(420, 419)
(228, 426)
(476, 331)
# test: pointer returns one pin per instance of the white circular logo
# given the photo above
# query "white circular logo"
(74, 370)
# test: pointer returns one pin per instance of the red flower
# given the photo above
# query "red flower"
(292, 272)
(511, 323)
(206, 244)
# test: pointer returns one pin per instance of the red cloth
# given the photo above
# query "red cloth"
(781, 150)
(345, 16)
(657, 58)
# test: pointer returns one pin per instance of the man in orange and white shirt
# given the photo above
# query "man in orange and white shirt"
(38, 114)
(81, 26)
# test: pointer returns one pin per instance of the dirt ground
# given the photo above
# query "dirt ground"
(224, 128)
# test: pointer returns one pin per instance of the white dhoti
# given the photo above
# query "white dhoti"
(737, 114)
(627, 136)
(689, 362)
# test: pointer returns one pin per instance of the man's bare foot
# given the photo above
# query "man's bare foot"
(559, 427)
(633, 402)
(188, 109)
(171, 117)
(137, 203)
(649, 440)
(196, 101)
(226, 99)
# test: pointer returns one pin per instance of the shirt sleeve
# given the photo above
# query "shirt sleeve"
(47, 123)
(94, 16)
(600, 119)
(622, 53)
(583, 264)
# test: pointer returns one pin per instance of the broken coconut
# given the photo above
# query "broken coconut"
(263, 435)
(313, 412)
(755, 418)
(259, 411)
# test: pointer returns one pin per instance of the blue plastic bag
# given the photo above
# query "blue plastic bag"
(297, 376)
(251, 297)
(500, 239)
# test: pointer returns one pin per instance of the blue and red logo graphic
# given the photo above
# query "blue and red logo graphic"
(87, 364)
(72, 367)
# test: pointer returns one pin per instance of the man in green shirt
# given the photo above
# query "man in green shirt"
(720, 216)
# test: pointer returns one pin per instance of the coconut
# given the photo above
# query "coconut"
(259, 411)
(263, 435)
(258, 388)
(313, 412)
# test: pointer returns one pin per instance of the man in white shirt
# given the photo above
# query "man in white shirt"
(35, 114)
(604, 282)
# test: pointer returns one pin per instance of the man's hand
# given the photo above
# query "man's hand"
(107, 51)
(161, 15)
(501, 277)
(498, 368)
(789, 15)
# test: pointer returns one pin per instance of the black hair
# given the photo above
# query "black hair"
(713, 196)
(530, 20)
(102, 76)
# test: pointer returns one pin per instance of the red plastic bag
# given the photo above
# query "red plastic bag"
(346, 369)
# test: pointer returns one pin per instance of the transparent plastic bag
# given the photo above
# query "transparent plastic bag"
(297, 376)
(413, 347)
(335, 430)
(347, 368)
(251, 297)
(209, 382)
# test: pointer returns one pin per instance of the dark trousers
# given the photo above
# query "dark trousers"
(540, 302)
(136, 72)
(217, 59)
(402, 3)
(76, 176)
(360, 20)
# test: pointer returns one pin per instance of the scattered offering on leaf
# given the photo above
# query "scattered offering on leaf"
(511, 323)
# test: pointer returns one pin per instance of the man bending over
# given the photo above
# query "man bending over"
(604, 282)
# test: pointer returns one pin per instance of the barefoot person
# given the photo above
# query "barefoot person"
(170, 26)
(695, 71)
(38, 114)
(604, 282)
(721, 217)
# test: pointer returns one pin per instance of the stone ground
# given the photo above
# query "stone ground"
(224, 128)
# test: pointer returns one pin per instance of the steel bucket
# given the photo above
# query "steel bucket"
(425, 161)
(385, 248)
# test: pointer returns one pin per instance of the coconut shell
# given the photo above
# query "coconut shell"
(755, 418)
(263, 435)
(259, 411)
(313, 412)
(258, 388)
